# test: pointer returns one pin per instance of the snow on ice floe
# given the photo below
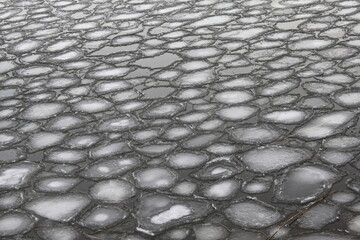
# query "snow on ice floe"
(311, 44)
(310, 181)
(348, 98)
(318, 216)
(11, 200)
(103, 217)
(255, 134)
(42, 140)
(252, 214)
(210, 231)
(211, 21)
(14, 223)
(155, 178)
(221, 190)
(269, 159)
(184, 160)
(109, 73)
(110, 168)
(112, 191)
(58, 232)
(157, 212)
(7, 66)
(237, 113)
(325, 125)
(233, 97)
(56, 184)
(17, 175)
(243, 34)
(62, 208)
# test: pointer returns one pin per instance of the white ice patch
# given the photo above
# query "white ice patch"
(325, 125)
(14, 223)
(173, 213)
(60, 208)
(16, 176)
(269, 159)
(243, 34)
(252, 214)
(112, 191)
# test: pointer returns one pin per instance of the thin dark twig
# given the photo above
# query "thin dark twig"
(297, 215)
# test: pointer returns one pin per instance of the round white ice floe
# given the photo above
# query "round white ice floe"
(61, 208)
(112, 191)
(233, 97)
(269, 159)
(348, 98)
(285, 116)
(14, 223)
(184, 160)
(252, 214)
(155, 178)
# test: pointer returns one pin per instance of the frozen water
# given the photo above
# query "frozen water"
(336, 157)
(212, 21)
(56, 184)
(237, 113)
(318, 216)
(184, 160)
(243, 34)
(110, 168)
(325, 125)
(92, 105)
(269, 159)
(14, 223)
(252, 214)
(109, 149)
(112, 191)
(184, 188)
(159, 212)
(233, 97)
(155, 178)
(11, 200)
(343, 197)
(221, 190)
(17, 175)
(257, 185)
(254, 134)
(41, 111)
(12, 155)
(210, 232)
(311, 44)
(348, 99)
(354, 224)
(62, 208)
(341, 142)
(103, 217)
(198, 78)
(163, 110)
(42, 140)
(304, 184)
(323, 236)
(117, 124)
(285, 116)
(58, 233)
(136, 119)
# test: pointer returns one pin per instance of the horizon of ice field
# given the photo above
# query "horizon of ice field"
(179, 120)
